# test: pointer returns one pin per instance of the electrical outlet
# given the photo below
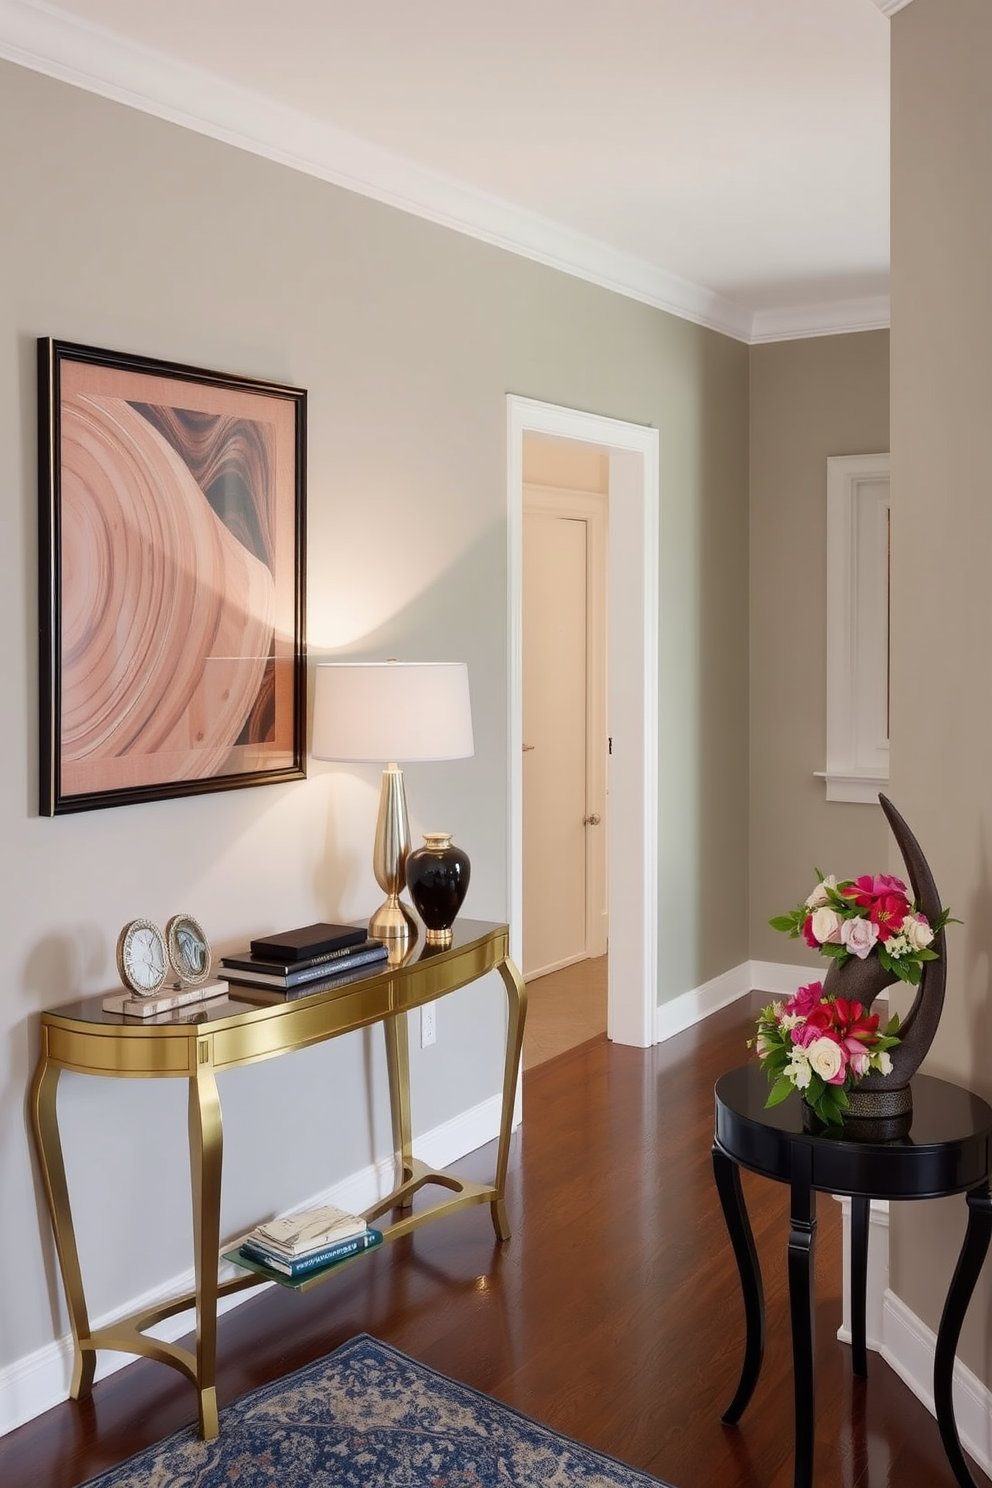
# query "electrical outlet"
(428, 1024)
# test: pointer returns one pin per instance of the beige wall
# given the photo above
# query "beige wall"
(123, 231)
(941, 546)
(809, 400)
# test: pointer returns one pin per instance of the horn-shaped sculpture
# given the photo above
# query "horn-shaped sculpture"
(888, 1098)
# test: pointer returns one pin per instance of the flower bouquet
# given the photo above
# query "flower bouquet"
(862, 916)
(821, 1046)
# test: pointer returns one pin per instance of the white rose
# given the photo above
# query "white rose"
(917, 931)
(826, 1058)
(858, 936)
(826, 925)
(819, 894)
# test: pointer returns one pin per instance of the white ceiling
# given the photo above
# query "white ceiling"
(725, 159)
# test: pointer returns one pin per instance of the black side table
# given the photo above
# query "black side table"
(948, 1151)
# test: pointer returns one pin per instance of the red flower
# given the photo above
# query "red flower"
(808, 935)
(852, 1022)
(884, 897)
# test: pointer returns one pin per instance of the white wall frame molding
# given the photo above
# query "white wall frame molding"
(633, 603)
(857, 627)
(889, 7)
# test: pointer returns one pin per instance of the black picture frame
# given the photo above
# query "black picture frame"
(172, 513)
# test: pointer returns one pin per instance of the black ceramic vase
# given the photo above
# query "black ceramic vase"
(437, 877)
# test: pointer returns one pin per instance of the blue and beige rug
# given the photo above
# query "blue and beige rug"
(366, 1416)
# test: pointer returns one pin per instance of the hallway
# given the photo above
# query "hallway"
(565, 1009)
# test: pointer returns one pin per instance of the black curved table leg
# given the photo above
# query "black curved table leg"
(860, 1215)
(802, 1307)
(728, 1184)
(966, 1272)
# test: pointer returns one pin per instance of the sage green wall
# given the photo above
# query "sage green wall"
(941, 547)
(809, 400)
(126, 232)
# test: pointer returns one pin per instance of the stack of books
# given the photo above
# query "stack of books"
(299, 1244)
(298, 962)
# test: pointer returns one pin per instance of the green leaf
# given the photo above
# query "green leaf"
(780, 1091)
(785, 923)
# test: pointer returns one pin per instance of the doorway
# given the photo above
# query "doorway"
(632, 451)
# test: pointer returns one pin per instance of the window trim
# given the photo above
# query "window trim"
(857, 628)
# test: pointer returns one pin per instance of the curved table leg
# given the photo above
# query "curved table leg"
(966, 1273)
(728, 1183)
(397, 1035)
(516, 1006)
(44, 1121)
(860, 1215)
(801, 1305)
(206, 1140)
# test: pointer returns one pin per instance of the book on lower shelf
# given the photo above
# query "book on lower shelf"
(257, 1258)
(293, 1235)
(254, 971)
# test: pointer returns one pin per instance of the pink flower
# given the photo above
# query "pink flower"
(858, 1057)
(859, 937)
(805, 1000)
(873, 886)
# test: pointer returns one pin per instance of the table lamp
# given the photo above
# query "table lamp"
(391, 711)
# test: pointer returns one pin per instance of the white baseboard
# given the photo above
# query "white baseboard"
(35, 1383)
(682, 1012)
(781, 980)
(909, 1347)
(776, 978)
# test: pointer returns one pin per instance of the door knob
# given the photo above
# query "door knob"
(591, 821)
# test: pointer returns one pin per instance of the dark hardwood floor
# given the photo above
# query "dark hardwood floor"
(613, 1314)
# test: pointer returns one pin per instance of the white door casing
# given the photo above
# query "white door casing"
(633, 584)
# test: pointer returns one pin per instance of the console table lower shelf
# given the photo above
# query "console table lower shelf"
(230, 1033)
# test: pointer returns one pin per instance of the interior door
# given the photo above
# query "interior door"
(564, 836)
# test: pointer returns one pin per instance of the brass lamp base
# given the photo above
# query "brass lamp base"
(393, 923)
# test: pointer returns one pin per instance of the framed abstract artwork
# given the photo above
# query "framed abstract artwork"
(172, 514)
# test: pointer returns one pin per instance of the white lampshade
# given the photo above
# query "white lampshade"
(392, 711)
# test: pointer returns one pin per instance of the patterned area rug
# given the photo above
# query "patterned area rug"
(366, 1416)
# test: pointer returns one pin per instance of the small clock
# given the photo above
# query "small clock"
(141, 958)
(189, 952)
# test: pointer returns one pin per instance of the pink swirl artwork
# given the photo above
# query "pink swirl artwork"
(177, 581)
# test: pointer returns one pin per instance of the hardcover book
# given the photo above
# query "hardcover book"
(269, 966)
(311, 940)
(261, 1260)
(322, 971)
(239, 991)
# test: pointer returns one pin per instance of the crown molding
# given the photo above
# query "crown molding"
(46, 40)
(889, 7)
(834, 318)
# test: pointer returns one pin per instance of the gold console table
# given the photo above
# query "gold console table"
(225, 1034)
